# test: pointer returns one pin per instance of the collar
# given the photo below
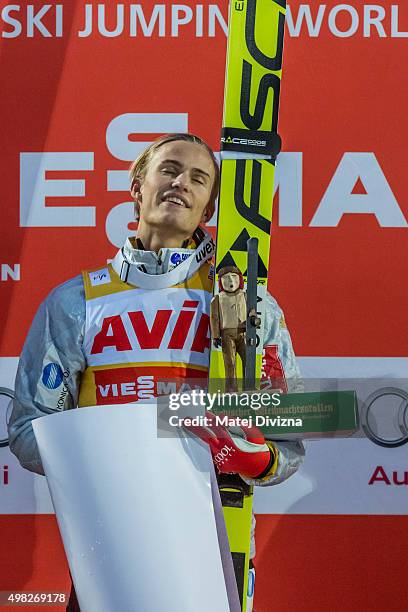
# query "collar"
(150, 270)
(155, 263)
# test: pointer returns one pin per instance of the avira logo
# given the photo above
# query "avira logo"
(113, 331)
(395, 477)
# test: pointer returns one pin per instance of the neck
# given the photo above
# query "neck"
(154, 240)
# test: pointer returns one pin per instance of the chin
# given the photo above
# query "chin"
(171, 226)
(180, 230)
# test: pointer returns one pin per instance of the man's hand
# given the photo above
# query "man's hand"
(236, 450)
(217, 342)
(254, 320)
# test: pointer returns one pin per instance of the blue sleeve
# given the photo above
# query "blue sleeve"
(49, 369)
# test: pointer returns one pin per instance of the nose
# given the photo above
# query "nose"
(180, 181)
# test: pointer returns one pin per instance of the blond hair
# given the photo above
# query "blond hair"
(138, 169)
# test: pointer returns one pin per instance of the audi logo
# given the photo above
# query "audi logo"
(396, 422)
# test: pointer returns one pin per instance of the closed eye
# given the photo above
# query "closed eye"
(169, 170)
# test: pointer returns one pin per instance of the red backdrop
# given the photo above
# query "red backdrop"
(339, 275)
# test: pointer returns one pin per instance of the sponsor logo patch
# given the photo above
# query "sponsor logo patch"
(137, 383)
(100, 277)
(52, 376)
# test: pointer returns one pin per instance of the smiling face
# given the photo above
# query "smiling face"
(174, 192)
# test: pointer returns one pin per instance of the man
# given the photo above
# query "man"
(91, 330)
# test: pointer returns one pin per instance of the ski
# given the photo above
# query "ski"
(249, 146)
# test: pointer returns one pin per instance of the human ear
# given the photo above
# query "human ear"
(135, 189)
(206, 215)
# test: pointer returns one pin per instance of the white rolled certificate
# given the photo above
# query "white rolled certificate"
(135, 511)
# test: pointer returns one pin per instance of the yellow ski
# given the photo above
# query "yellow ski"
(249, 146)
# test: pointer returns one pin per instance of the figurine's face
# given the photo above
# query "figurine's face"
(230, 282)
